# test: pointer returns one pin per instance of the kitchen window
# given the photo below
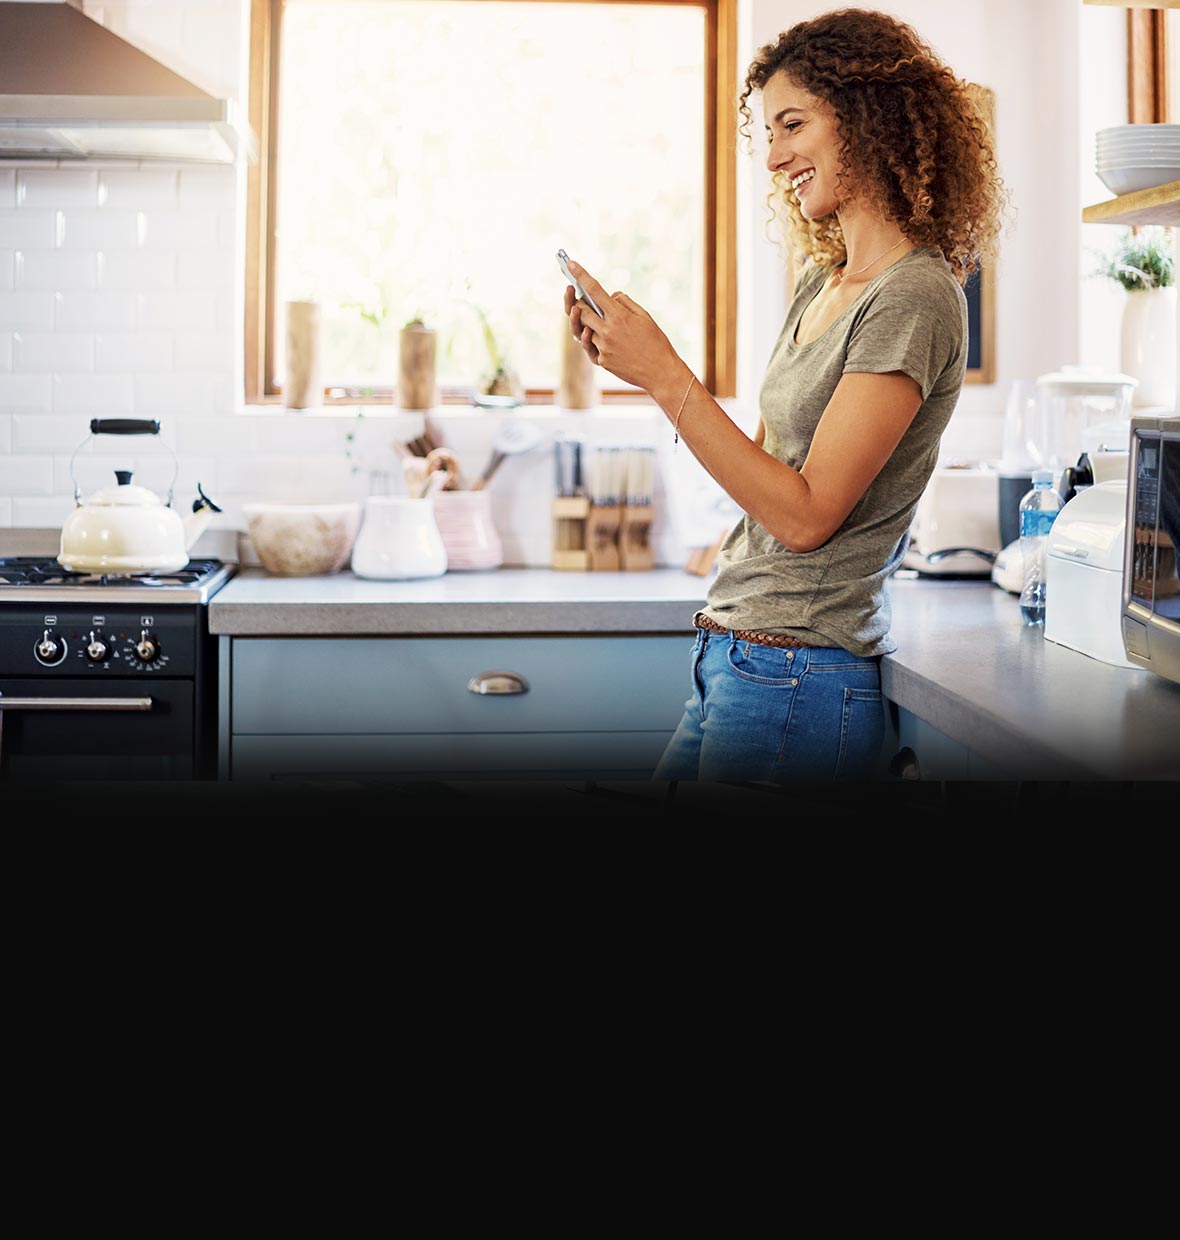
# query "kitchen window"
(427, 158)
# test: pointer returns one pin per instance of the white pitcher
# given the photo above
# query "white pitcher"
(399, 540)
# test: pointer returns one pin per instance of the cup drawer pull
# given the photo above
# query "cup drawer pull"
(497, 682)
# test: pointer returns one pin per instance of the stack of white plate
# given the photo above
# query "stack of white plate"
(1131, 157)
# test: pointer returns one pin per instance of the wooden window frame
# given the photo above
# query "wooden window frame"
(720, 212)
(1147, 66)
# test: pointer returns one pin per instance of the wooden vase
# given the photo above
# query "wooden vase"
(302, 387)
(416, 384)
(578, 388)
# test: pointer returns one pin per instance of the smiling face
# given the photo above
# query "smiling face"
(804, 139)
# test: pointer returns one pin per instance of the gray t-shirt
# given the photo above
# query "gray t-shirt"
(912, 318)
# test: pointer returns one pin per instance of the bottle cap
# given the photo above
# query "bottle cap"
(1042, 475)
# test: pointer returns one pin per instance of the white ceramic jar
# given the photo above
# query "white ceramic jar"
(399, 540)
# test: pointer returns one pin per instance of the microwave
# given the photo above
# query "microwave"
(1151, 555)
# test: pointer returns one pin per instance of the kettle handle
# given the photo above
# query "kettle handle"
(124, 426)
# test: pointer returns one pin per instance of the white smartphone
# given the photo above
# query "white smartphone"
(563, 261)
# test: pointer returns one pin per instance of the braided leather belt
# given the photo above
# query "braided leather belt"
(749, 635)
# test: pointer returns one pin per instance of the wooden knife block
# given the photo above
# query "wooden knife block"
(603, 538)
(635, 550)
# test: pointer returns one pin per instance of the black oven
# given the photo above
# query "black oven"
(107, 679)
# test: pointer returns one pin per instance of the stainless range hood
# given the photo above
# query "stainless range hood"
(70, 89)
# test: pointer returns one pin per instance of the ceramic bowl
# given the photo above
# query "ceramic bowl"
(302, 540)
(1125, 180)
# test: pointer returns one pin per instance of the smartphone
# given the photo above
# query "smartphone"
(563, 261)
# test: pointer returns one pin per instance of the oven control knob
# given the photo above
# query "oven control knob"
(51, 648)
(146, 648)
(96, 649)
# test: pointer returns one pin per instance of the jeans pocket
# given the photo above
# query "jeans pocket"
(862, 729)
(763, 665)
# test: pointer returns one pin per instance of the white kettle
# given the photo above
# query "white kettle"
(128, 529)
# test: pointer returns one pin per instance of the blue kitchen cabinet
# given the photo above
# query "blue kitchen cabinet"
(302, 709)
(926, 753)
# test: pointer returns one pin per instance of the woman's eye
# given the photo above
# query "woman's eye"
(791, 126)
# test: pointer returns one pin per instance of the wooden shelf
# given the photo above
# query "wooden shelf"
(1136, 4)
(1158, 205)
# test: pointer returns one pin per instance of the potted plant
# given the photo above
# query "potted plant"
(1143, 264)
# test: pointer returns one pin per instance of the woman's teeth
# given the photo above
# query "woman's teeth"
(802, 179)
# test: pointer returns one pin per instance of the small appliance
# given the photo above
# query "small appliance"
(955, 530)
(1083, 409)
(1084, 573)
(1150, 610)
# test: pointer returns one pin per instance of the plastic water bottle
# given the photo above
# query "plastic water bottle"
(1038, 511)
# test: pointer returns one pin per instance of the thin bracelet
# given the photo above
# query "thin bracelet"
(680, 411)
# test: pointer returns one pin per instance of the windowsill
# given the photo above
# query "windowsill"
(453, 413)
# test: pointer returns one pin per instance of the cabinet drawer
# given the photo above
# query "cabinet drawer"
(535, 755)
(326, 686)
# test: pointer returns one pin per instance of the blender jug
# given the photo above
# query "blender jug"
(1084, 409)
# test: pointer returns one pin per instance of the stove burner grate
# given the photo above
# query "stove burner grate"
(45, 571)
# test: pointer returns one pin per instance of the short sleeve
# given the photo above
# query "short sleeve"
(917, 326)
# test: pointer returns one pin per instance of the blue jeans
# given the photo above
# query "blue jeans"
(758, 713)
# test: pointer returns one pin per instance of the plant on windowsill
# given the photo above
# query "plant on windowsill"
(1143, 264)
(502, 386)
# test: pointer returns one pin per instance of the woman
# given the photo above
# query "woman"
(883, 168)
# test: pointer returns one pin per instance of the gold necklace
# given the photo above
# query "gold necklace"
(868, 265)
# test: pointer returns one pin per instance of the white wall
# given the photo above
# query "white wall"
(120, 287)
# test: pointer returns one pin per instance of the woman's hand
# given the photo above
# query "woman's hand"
(627, 341)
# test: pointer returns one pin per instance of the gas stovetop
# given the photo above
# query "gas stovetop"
(41, 579)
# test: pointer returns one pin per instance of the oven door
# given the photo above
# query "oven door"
(52, 730)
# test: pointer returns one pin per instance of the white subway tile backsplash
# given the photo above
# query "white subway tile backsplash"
(228, 434)
(55, 270)
(133, 351)
(53, 351)
(204, 270)
(7, 187)
(192, 308)
(57, 188)
(25, 393)
(99, 230)
(137, 270)
(138, 189)
(27, 311)
(42, 513)
(5, 350)
(21, 230)
(49, 433)
(207, 188)
(6, 432)
(7, 268)
(5, 513)
(99, 395)
(204, 351)
(180, 230)
(94, 311)
(227, 229)
(26, 475)
(180, 392)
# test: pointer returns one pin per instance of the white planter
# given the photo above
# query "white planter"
(1149, 345)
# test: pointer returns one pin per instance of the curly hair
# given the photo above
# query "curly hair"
(915, 142)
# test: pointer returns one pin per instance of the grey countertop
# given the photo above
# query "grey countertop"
(500, 602)
(964, 662)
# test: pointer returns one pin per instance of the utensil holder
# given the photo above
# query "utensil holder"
(465, 522)
(569, 532)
